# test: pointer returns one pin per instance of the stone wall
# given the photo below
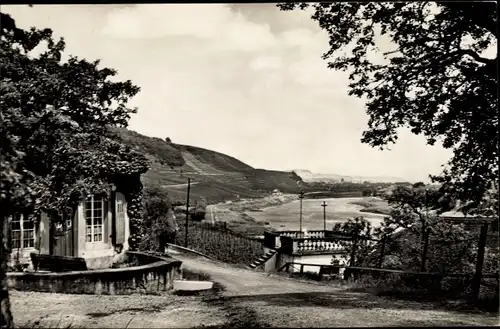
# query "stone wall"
(148, 274)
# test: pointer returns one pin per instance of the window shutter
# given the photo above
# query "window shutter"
(120, 221)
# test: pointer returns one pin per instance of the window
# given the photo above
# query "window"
(94, 219)
(23, 232)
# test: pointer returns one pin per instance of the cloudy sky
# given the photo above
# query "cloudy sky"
(245, 80)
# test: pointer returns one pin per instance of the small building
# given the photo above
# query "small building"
(98, 231)
(277, 192)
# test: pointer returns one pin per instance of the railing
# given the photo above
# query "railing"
(272, 239)
(299, 234)
(355, 272)
(333, 244)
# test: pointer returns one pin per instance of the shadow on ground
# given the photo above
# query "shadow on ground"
(344, 300)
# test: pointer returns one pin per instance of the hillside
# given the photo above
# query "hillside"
(214, 176)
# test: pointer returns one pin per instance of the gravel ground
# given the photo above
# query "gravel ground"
(249, 299)
(284, 302)
(46, 310)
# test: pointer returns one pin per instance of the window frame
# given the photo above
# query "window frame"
(92, 200)
(21, 219)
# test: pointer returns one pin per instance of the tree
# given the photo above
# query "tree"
(59, 113)
(417, 204)
(11, 187)
(415, 210)
(435, 81)
(56, 145)
(361, 230)
(198, 212)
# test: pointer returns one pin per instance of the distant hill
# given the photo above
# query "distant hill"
(309, 177)
(214, 176)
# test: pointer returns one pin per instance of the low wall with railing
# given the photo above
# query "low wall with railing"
(145, 273)
(330, 245)
(299, 234)
(310, 241)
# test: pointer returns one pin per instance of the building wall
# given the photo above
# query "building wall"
(322, 259)
(127, 221)
(97, 254)
(283, 259)
(102, 254)
(43, 233)
(270, 265)
(314, 259)
(41, 243)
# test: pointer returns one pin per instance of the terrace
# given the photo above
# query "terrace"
(310, 243)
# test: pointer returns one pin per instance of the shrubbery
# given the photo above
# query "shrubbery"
(221, 244)
(451, 248)
(156, 211)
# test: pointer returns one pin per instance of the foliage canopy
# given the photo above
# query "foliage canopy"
(436, 81)
(55, 123)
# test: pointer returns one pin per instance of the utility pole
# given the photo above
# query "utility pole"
(324, 205)
(301, 196)
(425, 234)
(187, 212)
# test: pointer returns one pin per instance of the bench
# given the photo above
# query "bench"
(57, 263)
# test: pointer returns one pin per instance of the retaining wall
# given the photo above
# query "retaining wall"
(148, 274)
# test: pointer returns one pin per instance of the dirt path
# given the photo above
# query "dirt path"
(250, 299)
(282, 302)
(242, 282)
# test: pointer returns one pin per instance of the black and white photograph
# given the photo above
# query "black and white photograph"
(249, 165)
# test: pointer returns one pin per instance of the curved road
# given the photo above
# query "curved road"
(278, 301)
(243, 282)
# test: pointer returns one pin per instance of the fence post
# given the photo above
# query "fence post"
(424, 249)
(476, 281)
(353, 251)
(382, 250)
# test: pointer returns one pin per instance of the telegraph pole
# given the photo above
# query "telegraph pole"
(301, 196)
(324, 205)
(425, 235)
(187, 212)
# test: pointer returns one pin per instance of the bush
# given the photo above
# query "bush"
(156, 211)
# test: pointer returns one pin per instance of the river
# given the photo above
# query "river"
(287, 216)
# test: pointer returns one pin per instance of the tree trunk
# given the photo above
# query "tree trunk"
(6, 320)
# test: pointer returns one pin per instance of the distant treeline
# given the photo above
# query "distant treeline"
(346, 189)
(333, 194)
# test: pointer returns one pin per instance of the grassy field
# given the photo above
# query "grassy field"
(235, 213)
(373, 205)
(284, 213)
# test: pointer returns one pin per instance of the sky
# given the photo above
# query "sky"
(246, 80)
